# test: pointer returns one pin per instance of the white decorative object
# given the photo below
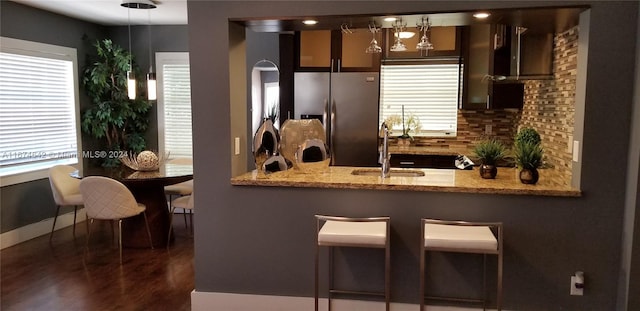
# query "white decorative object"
(144, 161)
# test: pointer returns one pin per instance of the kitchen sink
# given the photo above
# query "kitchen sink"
(392, 173)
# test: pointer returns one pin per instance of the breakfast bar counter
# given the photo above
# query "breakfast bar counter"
(440, 180)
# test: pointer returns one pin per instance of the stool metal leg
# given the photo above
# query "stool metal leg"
(330, 276)
(387, 272)
(317, 267)
(499, 285)
(422, 267)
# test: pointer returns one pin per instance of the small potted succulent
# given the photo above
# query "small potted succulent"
(489, 151)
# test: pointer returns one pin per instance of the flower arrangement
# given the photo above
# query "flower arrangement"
(410, 125)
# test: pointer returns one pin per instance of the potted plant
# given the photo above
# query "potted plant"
(528, 156)
(116, 121)
(529, 135)
(489, 151)
(410, 125)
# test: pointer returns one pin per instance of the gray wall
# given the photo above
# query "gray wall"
(260, 240)
(30, 202)
(27, 203)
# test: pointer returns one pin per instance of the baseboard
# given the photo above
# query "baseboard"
(215, 301)
(37, 229)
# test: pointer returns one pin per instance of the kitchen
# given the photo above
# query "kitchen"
(477, 114)
(254, 245)
(540, 247)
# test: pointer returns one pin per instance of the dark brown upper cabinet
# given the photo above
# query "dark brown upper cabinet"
(482, 51)
(334, 51)
(446, 43)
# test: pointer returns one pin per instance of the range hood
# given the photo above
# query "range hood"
(522, 55)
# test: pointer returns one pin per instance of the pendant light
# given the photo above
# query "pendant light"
(131, 79)
(151, 76)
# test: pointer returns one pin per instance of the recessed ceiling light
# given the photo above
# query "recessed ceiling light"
(390, 19)
(481, 15)
(309, 21)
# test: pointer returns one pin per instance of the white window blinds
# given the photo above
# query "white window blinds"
(428, 91)
(175, 104)
(37, 108)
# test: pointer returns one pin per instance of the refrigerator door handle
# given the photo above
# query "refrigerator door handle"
(325, 116)
(333, 128)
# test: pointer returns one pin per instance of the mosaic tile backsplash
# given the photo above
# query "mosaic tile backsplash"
(549, 107)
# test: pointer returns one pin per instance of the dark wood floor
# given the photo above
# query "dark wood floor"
(38, 275)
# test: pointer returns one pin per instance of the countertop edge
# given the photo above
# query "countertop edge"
(396, 187)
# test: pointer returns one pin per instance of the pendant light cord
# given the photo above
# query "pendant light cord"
(149, 39)
(130, 53)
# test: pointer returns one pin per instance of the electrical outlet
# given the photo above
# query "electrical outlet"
(574, 291)
(487, 129)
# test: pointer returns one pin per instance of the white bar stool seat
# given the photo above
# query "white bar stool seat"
(352, 232)
(461, 237)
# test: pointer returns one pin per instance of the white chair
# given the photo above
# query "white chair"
(179, 189)
(66, 192)
(461, 237)
(185, 203)
(109, 199)
(370, 232)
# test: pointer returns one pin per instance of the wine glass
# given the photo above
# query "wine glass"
(373, 46)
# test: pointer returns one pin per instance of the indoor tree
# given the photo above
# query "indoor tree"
(117, 122)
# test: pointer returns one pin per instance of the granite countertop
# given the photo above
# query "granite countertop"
(441, 180)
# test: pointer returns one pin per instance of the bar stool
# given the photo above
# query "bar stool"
(462, 237)
(370, 232)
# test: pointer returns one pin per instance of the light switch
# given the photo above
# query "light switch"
(576, 151)
(237, 145)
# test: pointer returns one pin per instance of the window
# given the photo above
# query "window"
(38, 109)
(174, 104)
(429, 92)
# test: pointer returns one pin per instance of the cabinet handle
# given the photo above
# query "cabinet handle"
(339, 65)
(487, 101)
(407, 163)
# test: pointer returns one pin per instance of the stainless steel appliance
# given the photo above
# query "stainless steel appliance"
(348, 102)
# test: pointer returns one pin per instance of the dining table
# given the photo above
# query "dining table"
(148, 188)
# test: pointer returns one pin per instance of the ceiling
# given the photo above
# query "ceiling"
(539, 20)
(174, 12)
(111, 13)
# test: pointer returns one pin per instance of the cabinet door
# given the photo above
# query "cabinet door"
(445, 40)
(507, 95)
(477, 59)
(314, 50)
(331, 50)
(352, 55)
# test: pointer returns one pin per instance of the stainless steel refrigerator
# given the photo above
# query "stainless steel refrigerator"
(347, 104)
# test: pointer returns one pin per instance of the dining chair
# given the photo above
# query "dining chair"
(66, 192)
(179, 189)
(109, 199)
(185, 203)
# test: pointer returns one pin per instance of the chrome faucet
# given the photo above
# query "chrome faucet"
(385, 156)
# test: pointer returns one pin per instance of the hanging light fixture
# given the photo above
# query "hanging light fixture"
(151, 76)
(131, 79)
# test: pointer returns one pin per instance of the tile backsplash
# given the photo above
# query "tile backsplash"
(549, 107)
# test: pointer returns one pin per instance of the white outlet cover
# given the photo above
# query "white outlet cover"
(576, 151)
(574, 291)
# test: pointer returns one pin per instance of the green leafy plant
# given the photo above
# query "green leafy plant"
(529, 135)
(489, 151)
(117, 122)
(528, 155)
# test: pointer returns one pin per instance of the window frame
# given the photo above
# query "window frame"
(43, 50)
(167, 58)
(427, 133)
